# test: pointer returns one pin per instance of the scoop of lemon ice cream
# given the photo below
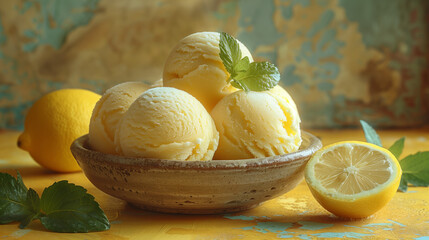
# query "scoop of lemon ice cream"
(280, 92)
(256, 124)
(107, 113)
(167, 123)
(194, 66)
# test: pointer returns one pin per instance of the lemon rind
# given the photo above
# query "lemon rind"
(317, 186)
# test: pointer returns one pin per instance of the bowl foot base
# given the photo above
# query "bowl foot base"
(199, 211)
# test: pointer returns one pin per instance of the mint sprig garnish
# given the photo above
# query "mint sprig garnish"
(246, 75)
(415, 167)
(63, 207)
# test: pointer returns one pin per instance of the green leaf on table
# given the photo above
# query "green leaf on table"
(69, 208)
(64, 207)
(397, 147)
(415, 170)
(255, 76)
(32, 202)
(403, 185)
(13, 195)
(370, 134)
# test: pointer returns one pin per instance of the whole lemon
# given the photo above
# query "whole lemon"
(53, 123)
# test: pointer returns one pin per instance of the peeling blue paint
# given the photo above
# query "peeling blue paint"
(5, 92)
(322, 23)
(398, 223)
(56, 20)
(422, 238)
(367, 229)
(325, 86)
(14, 115)
(304, 237)
(30, 33)
(94, 85)
(326, 47)
(271, 56)
(227, 10)
(282, 229)
(341, 235)
(274, 227)
(25, 7)
(289, 77)
(3, 37)
(287, 11)
(379, 30)
(394, 35)
(260, 28)
(377, 224)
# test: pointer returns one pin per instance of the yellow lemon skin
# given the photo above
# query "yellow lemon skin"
(362, 204)
(359, 208)
(51, 125)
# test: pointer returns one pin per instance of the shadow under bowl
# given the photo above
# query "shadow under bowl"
(194, 187)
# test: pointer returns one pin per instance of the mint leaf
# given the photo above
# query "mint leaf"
(13, 194)
(397, 147)
(403, 185)
(230, 52)
(20, 182)
(255, 76)
(242, 65)
(33, 205)
(69, 208)
(66, 207)
(370, 134)
(240, 85)
(260, 76)
(415, 170)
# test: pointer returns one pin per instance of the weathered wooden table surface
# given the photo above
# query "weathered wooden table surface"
(295, 214)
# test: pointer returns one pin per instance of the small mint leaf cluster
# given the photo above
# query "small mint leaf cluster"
(63, 207)
(246, 75)
(415, 167)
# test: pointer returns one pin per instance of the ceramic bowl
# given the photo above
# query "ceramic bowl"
(194, 187)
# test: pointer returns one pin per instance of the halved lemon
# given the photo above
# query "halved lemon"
(353, 179)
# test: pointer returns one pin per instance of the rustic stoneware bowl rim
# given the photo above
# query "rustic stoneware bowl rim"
(81, 145)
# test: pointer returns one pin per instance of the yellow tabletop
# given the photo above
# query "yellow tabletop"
(294, 215)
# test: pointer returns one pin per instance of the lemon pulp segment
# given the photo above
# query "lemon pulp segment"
(351, 169)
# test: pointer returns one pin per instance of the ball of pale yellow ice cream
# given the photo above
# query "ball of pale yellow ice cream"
(194, 66)
(167, 123)
(256, 124)
(280, 92)
(107, 113)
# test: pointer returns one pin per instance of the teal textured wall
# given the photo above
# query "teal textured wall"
(341, 60)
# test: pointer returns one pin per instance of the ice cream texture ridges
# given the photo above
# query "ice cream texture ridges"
(108, 112)
(256, 124)
(195, 66)
(167, 123)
